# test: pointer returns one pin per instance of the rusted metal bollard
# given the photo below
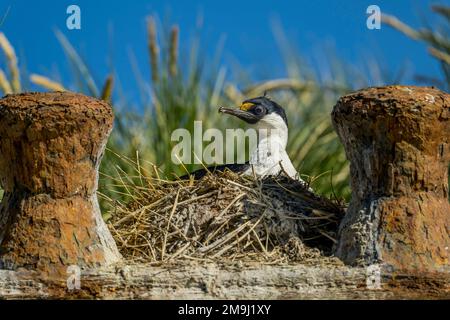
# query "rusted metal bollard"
(397, 140)
(51, 145)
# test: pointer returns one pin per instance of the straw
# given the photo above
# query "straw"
(223, 216)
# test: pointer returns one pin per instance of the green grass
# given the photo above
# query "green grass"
(195, 93)
(173, 97)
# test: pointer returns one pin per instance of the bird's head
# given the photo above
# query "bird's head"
(260, 111)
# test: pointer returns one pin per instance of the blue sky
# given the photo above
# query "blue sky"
(112, 29)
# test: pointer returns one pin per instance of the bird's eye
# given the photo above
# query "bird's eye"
(258, 110)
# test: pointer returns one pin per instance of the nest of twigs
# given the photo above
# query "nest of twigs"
(226, 216)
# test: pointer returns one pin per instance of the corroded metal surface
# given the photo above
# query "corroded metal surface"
(397, 139)
(50, 149)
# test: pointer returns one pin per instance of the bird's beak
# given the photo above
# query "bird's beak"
(241, 114)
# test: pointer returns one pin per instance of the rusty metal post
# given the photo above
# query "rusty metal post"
(51, 145)
(397, 140)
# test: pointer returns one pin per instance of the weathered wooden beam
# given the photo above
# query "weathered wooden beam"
(51, 145)
(397, 139)
(224, 281)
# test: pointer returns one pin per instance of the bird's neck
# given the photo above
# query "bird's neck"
(273, 133)
(271, 147)
(270, 156)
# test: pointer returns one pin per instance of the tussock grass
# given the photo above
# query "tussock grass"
(178, 87)
(12, 62)
(46, 83)
(437, 39)
(186, 86)
(5, 86)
